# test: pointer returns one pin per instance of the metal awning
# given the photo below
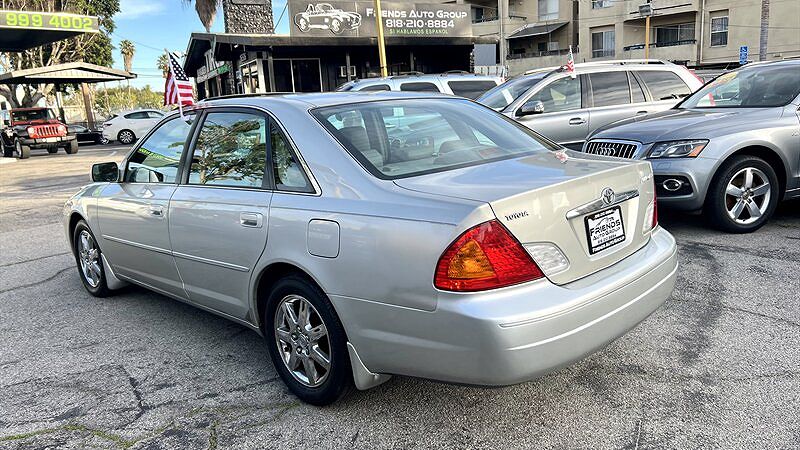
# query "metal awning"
(536, 29)
(23, 30)
(77, 72)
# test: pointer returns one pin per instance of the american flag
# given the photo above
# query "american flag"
(570, 63)
(178, 89)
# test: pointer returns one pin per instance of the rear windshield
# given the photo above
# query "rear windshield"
(470, 89)
(757, 87)
(34, 114)
(502, 95)
(403, 138)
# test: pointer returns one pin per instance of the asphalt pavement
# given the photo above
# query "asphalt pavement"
(717, 367)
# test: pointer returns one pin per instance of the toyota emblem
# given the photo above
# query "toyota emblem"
(608, 196)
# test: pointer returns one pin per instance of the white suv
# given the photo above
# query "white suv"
(463, 84)
(128, 126)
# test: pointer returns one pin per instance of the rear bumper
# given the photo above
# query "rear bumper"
(514, 334)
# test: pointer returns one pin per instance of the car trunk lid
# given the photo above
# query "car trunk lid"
(552, 198)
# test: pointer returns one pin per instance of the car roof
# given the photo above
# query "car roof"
(423, 76)
(313, 100)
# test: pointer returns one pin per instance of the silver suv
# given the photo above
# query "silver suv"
(462, 84)
(567, 110)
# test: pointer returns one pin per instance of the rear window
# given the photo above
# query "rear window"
(137, 115)
(419, 87)
(664, 85)
(470, 89)
(403, 138)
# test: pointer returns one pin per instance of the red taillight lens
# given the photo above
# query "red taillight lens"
(655, 208)
(484, 257)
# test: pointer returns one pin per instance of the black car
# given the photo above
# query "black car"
(86, 135)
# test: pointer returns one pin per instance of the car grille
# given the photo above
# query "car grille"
(47, 130)
(612, 148)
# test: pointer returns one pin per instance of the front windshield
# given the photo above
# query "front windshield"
(402, 138)
(31, 115)
(755, 87)
(502, 95)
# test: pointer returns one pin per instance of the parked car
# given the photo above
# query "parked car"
(463, 84)
(324, 16)
(477, 253)
(26, 129)
(128, 126)
(732, 149)
(567, 109)
(86, 135)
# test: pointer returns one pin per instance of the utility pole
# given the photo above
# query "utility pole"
(502, 13)
(762, 41)
(381, 43)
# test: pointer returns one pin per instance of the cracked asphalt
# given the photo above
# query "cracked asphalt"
(717, 367)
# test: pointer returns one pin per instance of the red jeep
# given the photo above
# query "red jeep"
(32, 128)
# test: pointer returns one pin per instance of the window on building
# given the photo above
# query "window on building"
(548, 10)
(673, 34)
(231, 150)
(719, 30)
(663, 84)
(603, 43)
(158, 158)
(608, 88)
(597, 4)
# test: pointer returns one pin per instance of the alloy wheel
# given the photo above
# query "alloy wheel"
(89, 257)
(302, 339)
(126, 137)
(747, 195)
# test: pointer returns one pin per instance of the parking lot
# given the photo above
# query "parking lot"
(717, 367)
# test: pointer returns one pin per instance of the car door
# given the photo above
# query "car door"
(610, 99)
(134, 213)
(219, 214)
(563, 119)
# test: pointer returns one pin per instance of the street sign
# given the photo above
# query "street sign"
(742, 55)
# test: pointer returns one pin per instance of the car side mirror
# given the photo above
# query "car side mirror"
(530, 108)
(107, 172)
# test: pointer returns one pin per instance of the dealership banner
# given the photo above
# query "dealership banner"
(357, 18)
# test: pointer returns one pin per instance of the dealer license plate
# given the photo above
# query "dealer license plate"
(604, 229)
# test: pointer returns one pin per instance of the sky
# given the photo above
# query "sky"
(153, 25)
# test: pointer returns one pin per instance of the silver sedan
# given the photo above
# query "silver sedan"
(365, 235)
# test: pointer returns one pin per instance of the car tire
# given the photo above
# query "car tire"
(72, 148)
(743, 195)
(336, 26)
(8, 152)
(89, 260)
(52, 150)
(126, 137)
(23, 151)
(304, 343)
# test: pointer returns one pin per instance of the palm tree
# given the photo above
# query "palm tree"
(206, 10)
(163, 64)
(127, 49)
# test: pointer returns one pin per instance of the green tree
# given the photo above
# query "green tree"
(163, 64)
(94, 48)
(206, 11)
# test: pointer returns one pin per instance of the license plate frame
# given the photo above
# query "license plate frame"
(616, 235)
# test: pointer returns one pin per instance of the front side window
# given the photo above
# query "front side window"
(548, 9)
(419, 87)
(608, 88)
(719, 30)
(757, 87)
(561, 95)
(470, 89)
(603, 43)
(158, 158)
(231, 150)
(664, 85)
(288, 173)
(402, 138)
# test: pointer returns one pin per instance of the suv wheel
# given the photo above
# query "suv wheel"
(743, 195)
(89, 259)
(126, 137)
(307, 343)
(23, 151)
(8, 152)
(72, 148)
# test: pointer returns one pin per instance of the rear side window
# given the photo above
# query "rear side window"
(470, 89)
(419, 87)
(158, 158)
(289, 174)
(137, 115)
(664, 85)
(609, 88)
(231, 150)
(154, 114)
(376, 87)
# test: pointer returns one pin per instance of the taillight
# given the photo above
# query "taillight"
(33, 132)
(655, 209)
(651, 215)
(484, 257)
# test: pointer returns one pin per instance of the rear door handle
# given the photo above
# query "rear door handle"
(576, 121)
(157, 210)
(252, 220)
(641, 112)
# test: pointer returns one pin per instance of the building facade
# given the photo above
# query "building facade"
(696, 33)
